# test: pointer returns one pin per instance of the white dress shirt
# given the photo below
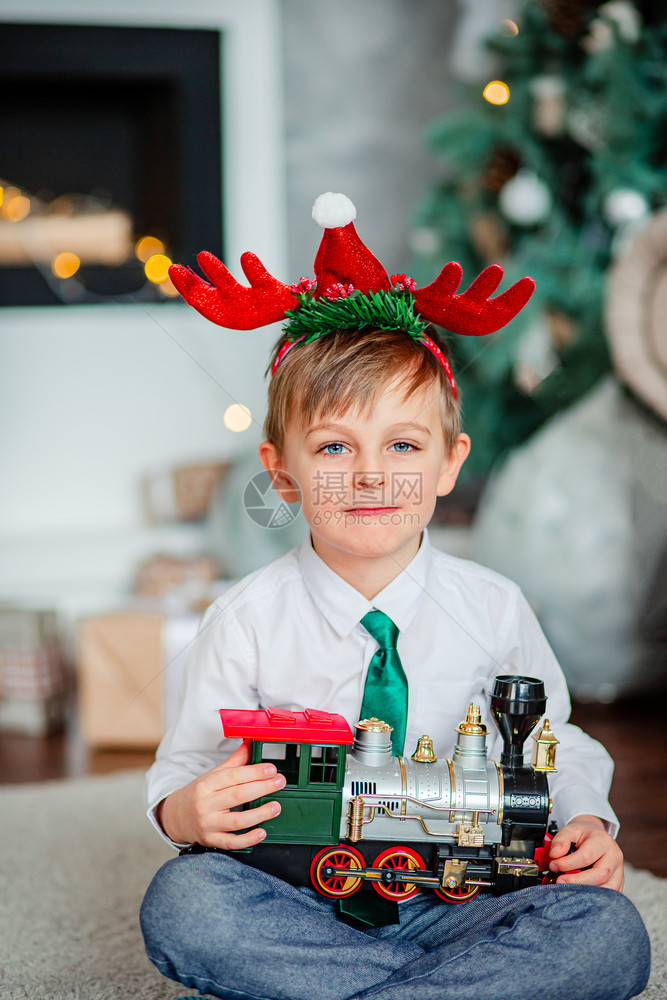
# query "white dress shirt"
(289, 635)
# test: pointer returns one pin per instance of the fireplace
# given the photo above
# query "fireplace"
(110, 159)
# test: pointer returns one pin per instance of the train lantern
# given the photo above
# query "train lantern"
(353, 817)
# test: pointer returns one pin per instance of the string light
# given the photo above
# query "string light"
(157, 268)
(147, 246)
(65, 265)
(149, 250)
(237, 417)
(497, 92)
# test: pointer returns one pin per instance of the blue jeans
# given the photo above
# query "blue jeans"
(214, 924)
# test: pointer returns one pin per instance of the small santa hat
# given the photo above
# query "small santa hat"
(342, 258)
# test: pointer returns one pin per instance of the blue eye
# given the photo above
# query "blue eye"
(403, 446)
(336, 448)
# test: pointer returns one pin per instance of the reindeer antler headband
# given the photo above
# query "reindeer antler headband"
(351, 290)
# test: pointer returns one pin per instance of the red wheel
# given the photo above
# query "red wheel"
(398, 859)
(327, 882)
(461, 894)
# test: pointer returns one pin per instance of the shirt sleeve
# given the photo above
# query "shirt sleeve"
(221, 672)
(584, 768)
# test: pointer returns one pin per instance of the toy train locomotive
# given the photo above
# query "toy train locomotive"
(354, 817)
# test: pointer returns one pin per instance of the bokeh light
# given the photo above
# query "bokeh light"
(237, 417)
(65, 265)
(509, 28)
(168, 288)
(147, 246)
(497, 92)
(157, 268)
(15, 206)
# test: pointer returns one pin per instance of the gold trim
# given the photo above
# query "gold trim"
(452, 790)
(454, 873)
(452, 783)
(404, 785)
(501, 792)
(470, 834)
(404, 815)
(373, 725)
(355, 818)
(425, 805)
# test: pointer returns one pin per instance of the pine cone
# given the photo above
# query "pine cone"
(569, 17)
(502, 166)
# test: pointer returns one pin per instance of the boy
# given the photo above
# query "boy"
(363, 426)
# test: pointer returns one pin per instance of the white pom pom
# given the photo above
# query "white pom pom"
(333, 210)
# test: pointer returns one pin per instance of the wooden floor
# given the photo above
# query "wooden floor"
(634, 732)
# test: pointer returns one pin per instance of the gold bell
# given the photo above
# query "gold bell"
(424, 752)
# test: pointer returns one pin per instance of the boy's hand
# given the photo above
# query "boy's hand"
(596, 852)
(201, 811)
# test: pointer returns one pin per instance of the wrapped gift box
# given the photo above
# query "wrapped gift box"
(130, 669)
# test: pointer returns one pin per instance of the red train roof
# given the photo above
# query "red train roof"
(283, 726)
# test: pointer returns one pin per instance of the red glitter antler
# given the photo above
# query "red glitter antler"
(227, 302)
(472, 313)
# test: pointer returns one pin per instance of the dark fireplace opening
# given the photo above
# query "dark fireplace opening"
(110, 160)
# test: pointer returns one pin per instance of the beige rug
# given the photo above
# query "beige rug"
(75, 859)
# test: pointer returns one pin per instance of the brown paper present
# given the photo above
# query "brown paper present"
(120, 680)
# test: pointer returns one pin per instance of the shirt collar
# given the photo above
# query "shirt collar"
(344, 607)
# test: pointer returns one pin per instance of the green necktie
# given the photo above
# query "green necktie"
(386, 690)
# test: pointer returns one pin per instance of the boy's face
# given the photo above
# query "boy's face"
(369, 481)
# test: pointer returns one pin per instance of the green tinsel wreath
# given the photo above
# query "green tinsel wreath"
(385, 310)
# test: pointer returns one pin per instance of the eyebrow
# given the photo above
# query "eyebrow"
(395, 428)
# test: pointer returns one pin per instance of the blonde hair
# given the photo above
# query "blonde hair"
(348, 370)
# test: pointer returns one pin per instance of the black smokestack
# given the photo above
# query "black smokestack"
(517, 703)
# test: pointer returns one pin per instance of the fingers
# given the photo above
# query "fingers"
(240, 756)
(243, 776)
(220, 793)
(240, 793)
(225, 832)
(597, 860)
(559, 847)
(603, 875)
(584, 856)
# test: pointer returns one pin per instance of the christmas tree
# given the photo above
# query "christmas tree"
(547, 170)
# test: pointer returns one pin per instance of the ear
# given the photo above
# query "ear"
(452, 466)
(274, 463)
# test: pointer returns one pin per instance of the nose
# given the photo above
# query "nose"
(368, 480)
(369, 475)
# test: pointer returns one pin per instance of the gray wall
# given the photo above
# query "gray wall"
(362, 79)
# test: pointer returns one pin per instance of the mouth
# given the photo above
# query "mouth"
(371, 510)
